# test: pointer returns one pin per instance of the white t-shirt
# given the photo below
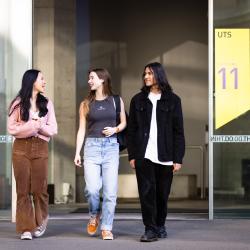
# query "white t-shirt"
(152, 149)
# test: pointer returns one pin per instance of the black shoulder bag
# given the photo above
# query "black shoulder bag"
(121, 136)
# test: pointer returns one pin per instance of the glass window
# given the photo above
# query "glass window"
(15, 58)
(231, 147)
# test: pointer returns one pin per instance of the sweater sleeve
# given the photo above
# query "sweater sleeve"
(20, 129)
(49, 128)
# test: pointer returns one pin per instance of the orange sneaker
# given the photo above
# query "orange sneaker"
(107, 235)
(93, 224)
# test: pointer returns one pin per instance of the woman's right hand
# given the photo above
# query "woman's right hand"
(77, 161)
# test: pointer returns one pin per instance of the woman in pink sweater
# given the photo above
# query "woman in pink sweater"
(32, 122)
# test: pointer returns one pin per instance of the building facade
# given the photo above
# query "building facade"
(65, 38)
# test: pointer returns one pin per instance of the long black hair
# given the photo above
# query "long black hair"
(159, 75)
(24, 95)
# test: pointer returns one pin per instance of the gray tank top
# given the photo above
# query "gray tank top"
(101, 114)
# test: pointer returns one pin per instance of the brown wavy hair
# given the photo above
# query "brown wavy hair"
(107, 90)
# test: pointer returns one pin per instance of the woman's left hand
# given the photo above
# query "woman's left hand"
(109, 131)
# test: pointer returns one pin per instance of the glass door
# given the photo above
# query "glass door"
(231, 109)
(15, 58)
(107, 36)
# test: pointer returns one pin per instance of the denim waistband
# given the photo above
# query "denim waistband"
(102, 139)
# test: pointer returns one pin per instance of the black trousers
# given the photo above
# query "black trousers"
(154, 183)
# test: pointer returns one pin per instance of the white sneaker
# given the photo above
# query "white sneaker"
(41, 229)
(26, 236)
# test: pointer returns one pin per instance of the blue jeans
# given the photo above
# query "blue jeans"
(101, 162)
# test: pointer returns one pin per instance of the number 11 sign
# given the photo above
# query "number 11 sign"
(232, 74)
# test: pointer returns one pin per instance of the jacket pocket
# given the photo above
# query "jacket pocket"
(164, 109)
(140, 108)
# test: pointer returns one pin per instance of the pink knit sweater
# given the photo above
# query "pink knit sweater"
(44, 129)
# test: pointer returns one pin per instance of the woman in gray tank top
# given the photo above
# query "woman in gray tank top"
(101, 150)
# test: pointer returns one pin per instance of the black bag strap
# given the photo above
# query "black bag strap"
(117, 107)
(117, 103)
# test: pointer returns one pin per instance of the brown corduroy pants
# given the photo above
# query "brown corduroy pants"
(30, 163)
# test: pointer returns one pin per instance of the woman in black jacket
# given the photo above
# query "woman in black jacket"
(156, 146)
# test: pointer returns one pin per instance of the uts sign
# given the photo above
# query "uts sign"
(232, 79)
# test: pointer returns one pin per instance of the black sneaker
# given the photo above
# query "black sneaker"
(149, 236)
(162, 233)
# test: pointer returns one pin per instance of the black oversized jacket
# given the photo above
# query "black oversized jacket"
(170, 133)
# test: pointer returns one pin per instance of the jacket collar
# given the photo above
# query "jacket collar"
(164, 95)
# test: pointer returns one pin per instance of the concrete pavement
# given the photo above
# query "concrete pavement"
(196, 234)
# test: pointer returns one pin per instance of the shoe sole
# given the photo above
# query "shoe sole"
(162, 237)
(26, 238)
(107, 238)
(91, 234)
(152, 240)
